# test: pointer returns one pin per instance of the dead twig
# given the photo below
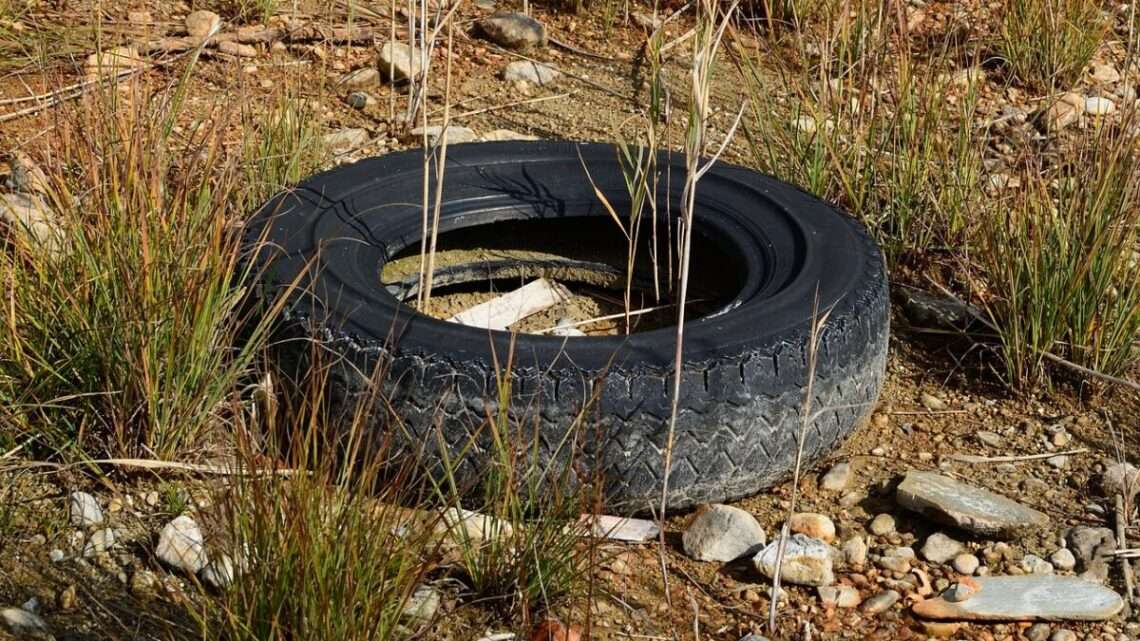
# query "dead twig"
(1122, 543)
(153, 464)
(972, 458)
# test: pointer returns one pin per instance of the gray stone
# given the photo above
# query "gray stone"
(56, 555)
(839, 596)
(855, 551)
(882, 525)
(1063, 560)
(1038, 632)
(398, 62)
(722, 533)
(894, 562)
(934, 311)
(181, 545)
(1059, 462)
(360, 100)
(806, 561)
(219, 572)
(1098, 106)
(513, 30)
(345, 140)
(837, 478)
(971, 508)
(1122, 479)
(24, 624)
(1034, 564)
(966, 564)
(423, 604)
(1063, 635)
(1092, 547)
(31, 216)
(84, 510)
(940, 548)
(455, 134)
(363, 78)
(532, 72)
(988, 438)
(1027, 598)
(100, 541)
(880, 602)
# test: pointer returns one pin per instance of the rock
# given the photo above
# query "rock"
(219, 572)
(880, 602)
(151, 498)
(231, 48)
(506, 134)
(722, 533)
(1059, 462)
(360, 100)
(1064, 112)
(1097, 106)
(25, 175)
(1105, 74)
(971, 508)
(1034, 564)
(1038, 632)
(837, 478)
(114, 61)
(940, 630)
(84, 510)
(465, 525)
(32, 217)
(966, 564)
(144, 583)
(554, 630)
(1063, 635)
(989, 438)
(961, 590)
(181, 545)
(24, 624)
(139, 17)
(398, 62)
(817, 526)
(646, 21)
(855, 551)
(68, 598)
(839, 596)
(423, 604)
(1092, 547)
(363, 78)
(932, 402)
(200, 24)
(1120, 478)
(1063, 560)
(100, 541)
(882, 525)
(513, 30)
(806, 561)
(931, 310)
(893, 561)
(455, 135)
(532, 72)
(347, 139)
(56, 555)
(1027, 598)
(940, 548)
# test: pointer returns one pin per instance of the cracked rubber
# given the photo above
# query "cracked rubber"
(604, 399)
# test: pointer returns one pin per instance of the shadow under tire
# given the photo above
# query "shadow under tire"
(598, 406)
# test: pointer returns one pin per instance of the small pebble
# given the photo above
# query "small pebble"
(1038, 632)
(56, 555)
(1063, 559)
(1097, 106)
(837, 478)
(85, 510)
(882, 525)
(1063, 635)
(880, 602)
(932, 402)
(855, 551)
(966, 564)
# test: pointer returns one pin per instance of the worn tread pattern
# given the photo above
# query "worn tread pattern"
(740, 411)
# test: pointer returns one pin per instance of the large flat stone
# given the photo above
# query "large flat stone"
(1028, 598)
(964, 506)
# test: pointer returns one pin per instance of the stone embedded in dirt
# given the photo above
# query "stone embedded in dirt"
(1065, 111)
(200, 24)
(961, 590)
(940, 629)
(722, 533)
(219, 572)
(932, 402)
(839, 596)
(806, 561)
(364, 78)
(617, 528)
(1027, 598)
(1092, 547)
(1105, 74)
(360, 100)
(988, 438)
(881, 602)
(1122, 479)
(398, 61)
(817, 526)
(533, 72)
(181, 545)
(1098, 106)
(231, 48)
(465, 525)
(1063, 635)
(855, 551)
(1063, 560)
(144, 583)
(31, 216)
(1059, 462)
(24, 624)
(965, 564)
(513, 30)
(934, 311)
(25, 175)
(100, 541)
(940, 548)
(895, 560)
(423, 604)
(554, 630)
(114, 61)
(1038, 632)
(455, 134)
(56, 555)
(347, 139)
(882, 525)
(84, 510)
(837, 478)
(970, 508)
(1033, 564)
(646, 21)
(506, 134)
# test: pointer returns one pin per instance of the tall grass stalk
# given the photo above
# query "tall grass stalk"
(1048, 43)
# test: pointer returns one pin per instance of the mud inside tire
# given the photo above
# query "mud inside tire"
(595, 406)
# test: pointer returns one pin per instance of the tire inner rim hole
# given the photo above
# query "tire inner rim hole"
(586, 257)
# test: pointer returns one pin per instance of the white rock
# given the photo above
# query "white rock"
(31, 216)
(219, 572)
(345, 140)
(806, 561)
(837, 478)
(513, 30)
(181, 545)
(398, 61)
(1120, 478)
(100, 541)
(455, 135)
(465, 525)
(940, 548)
(1098, 106)
(423, 604)
(1106, 74)
(199, 24)
(722, 533)
(24, 624)
(882, 525)
(1034, 564)
(532, 72)
(855, 551)
(966, 564)
(839, 596)
(84, 510)
(363, 78)
(506, 134)
(1063, 560)
(1059, 462)
(56, 555)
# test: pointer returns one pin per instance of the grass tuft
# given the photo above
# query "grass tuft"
(1048, 43)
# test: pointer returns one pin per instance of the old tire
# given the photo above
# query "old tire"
(745, 368)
